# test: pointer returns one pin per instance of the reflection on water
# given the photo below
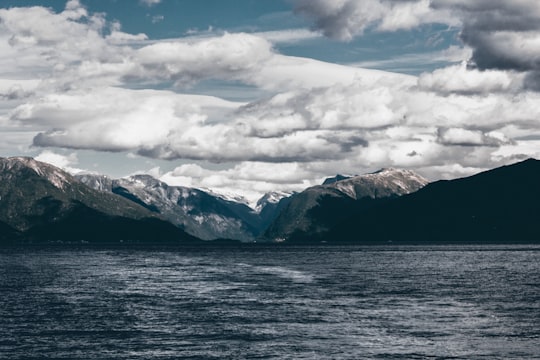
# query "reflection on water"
(301, 303)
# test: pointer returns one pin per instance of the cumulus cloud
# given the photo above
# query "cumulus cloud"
(289, 36)
(227, 56)
(249, 179)
(116, 119)
(460, 79)
(64, 162)
(71, 80)
(466, 137)
(59, 37)
(369, 127)
(345, 19)
(503, 35)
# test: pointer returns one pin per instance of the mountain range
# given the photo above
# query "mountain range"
(41, 203)
(319, 208)
(200, 213)
(497, 206)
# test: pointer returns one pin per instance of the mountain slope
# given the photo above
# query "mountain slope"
(8, 235)
(36, 198)
(319, 208)
(199, 213)
(500, 205)
(270, 205)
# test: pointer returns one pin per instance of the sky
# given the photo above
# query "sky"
(250, 96)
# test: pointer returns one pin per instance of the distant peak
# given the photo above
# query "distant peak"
(530, 161)
(53, 174)
(336, 178)
(273, 197)
(387, 170)
(29, 162)
(22, 160)
(143, 180)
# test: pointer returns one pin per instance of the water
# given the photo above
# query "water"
(471, 302)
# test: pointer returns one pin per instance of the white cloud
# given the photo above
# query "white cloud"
(502, 34)
(116, 119)
(150, 2)
(417, 62)
(157, 18)
(460, 79)
(248, 179)
(346, 19)
(289, 36)
(64, 162)
(466, 137)
(228, 56)
(62, 79)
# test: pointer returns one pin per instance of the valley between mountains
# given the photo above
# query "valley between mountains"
(40, 203)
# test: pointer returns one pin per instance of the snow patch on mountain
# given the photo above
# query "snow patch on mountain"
(54, 175)
(200, 213)
(271, 198)
(399, 180)
(228, 196)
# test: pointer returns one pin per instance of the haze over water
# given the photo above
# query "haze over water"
(464, 302)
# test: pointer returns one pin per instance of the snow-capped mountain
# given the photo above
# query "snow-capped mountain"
(270, 206)
(95, 181)
(318, 208)
(383, 183)
(272, 198)
(12, 168)
(496, 206)
(202, 214)
(336, 178)
(41, 202)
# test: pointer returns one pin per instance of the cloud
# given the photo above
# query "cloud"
(227, 56)
(57, 36)
(64, 162)
(346, 19)
(460, 79)
(289, 36)
(249, 179)
(17, 89)
(71, 80)
(503, 35)
(417, 62)
(404, 126)
(157, 18)
(465, 137)
(60, 51)
(116, 119)
(150, 2)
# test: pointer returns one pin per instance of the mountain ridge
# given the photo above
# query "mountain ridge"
(202, 214)
(498, 205)
(303, 217)
(41, 202)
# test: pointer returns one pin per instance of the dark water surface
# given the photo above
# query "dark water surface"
(475, 302)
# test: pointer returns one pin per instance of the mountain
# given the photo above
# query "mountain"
(500, 205)
(39, 203)
(205, 215)
(270, 205)
(8, 234)
(336, 178)
(317, 209)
